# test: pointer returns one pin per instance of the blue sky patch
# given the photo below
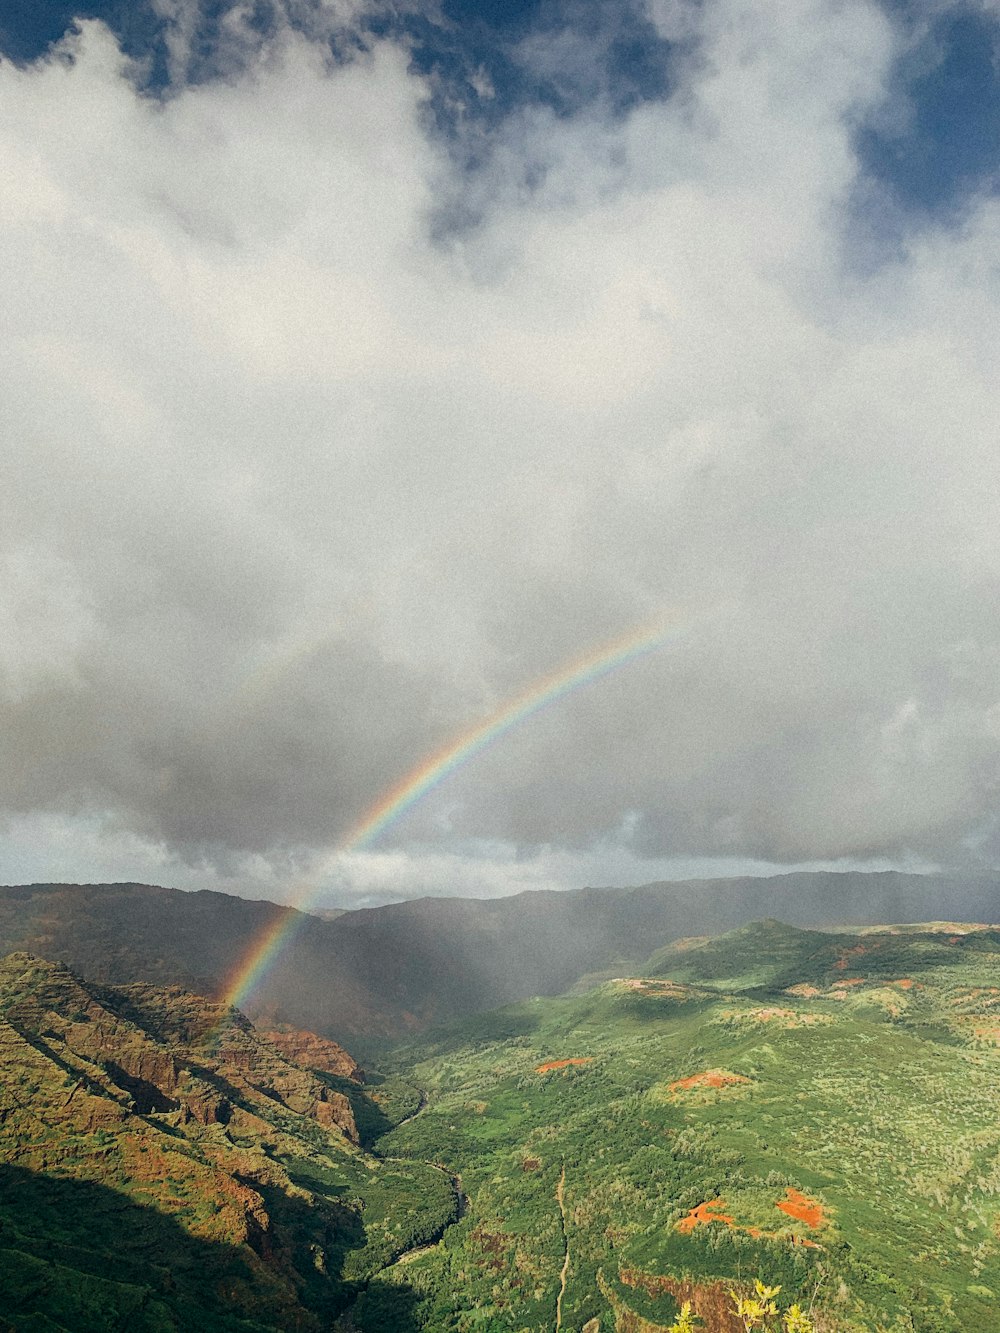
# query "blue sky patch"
(943, 143)
(938, 142)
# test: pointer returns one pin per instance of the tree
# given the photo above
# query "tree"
(685, 1321)
(756, 1312)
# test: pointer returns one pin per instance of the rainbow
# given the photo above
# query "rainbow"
(438, 767)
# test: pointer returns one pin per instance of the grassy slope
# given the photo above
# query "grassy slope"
(874, 1097)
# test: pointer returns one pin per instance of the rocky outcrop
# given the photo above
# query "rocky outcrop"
(39, 1095)
(253, 1064)
(165, 1125)
(315, 1052)
(161, 1051)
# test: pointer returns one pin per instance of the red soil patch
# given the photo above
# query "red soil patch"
(802, 1208)
(561, 1064)
(709, 1078)
(710, 1301)
(805, 990)
(703, 1214)
(796, 1205)
(904, 984)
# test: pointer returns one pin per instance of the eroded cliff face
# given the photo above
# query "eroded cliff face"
(177, 1102)
(256, 1067)
(163, 1051)
(314, 1052)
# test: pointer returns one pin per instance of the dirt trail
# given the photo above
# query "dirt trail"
(565, 1267)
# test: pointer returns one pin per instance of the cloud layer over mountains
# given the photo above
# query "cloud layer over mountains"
(333, 426)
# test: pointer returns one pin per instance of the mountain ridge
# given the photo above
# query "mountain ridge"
(377, 973)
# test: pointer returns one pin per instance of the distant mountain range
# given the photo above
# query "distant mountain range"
(378, 973)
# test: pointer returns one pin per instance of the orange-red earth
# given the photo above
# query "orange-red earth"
(708, 1078)
(703, 1214)
(801, 1208)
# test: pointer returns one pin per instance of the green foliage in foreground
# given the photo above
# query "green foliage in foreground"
(759, 1311)
(868, 1093)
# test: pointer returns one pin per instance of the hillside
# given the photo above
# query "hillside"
(817, 1109)
(164, 1165)
(832, 1128)
(382, 972)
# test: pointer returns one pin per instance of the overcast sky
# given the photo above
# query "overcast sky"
(361, 367)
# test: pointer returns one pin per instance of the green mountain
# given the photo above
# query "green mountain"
(382, 973)
(817, 1110)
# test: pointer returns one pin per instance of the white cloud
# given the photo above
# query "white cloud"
(302, 492)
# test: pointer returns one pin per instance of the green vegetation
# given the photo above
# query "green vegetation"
(812, 1112)
(401, 1205)
(760, 1311)
(80, 1256)
(381, 1104)
(817, 1109)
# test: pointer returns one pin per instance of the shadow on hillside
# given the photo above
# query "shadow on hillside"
(385, 1307)
(82, 1257)
(479, 1029)
(371, 1120)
